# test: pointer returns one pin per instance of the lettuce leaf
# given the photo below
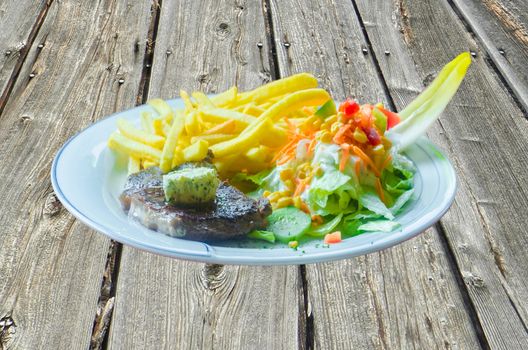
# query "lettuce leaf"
(332, 193)
(257, 179)
(372, 202)
(379, 226)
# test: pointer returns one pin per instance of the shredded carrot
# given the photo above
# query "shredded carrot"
(311, 147)
(379, 189)
(291, 126)
(358, 168)
(302, 185)
(340, 133)
(305, 208)
(300, 188)
(287, 149)
(345, 155)
(366, 159)
(318, 219)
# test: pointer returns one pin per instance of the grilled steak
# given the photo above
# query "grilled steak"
(232, 214)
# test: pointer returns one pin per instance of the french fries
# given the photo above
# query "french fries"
(196, 152)
(134, 165)
(213, 139)
(127, 129)
(225, 98)
(172, 141)
(220, 115)
(244, 130)
(164, 110)
(244, 141)
(125, 145)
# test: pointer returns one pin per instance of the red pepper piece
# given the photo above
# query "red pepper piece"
(348, 108)
(392, 118)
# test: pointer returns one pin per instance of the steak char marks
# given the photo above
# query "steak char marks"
(232, 214)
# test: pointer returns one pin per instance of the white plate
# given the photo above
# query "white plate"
(87, 179)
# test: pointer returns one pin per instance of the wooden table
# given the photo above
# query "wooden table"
(460, 285)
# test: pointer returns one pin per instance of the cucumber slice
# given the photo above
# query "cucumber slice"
(288, 224)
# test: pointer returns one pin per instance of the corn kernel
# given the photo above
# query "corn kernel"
(266, 193)
(297, 202)
(326, 137)
(378, 150)
(335, 127)
(274, 197)
(293, 244)
(289, 184)
(286, 193)
(332, 119)
(317, 123)
(284, 202)
(306, 166)
(286, 174)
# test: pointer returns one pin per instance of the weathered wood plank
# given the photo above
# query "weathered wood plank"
(486, 137)
(51, 265)
(502, 28)
(17, 21)
(406, 296)
(174, 304)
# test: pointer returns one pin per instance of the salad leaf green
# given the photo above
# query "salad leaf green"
(262, 235)
(370, 200)
(427, 107)
(325, 228)
(379, 226)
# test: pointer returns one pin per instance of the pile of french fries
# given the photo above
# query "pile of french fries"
(243, 130)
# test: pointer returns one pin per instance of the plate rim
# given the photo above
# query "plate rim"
(210, 256)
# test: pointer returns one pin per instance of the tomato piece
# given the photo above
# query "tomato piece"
(373, 136)
(348, 108)
(392, 118)
(334, 237)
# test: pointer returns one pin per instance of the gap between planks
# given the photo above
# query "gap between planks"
(468, 303)
(491, 59)
(105, 307)
(23, 55)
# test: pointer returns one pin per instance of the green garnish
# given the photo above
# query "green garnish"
(262, 235)
(327, 109)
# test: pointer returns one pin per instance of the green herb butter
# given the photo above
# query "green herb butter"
(191, 185)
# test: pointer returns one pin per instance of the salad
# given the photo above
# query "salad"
(329, 170)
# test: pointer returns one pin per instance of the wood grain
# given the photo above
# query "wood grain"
(502, 28)
(174, 304)
(19, 22)
(51, 265)
(406, 296)
(486, 137)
